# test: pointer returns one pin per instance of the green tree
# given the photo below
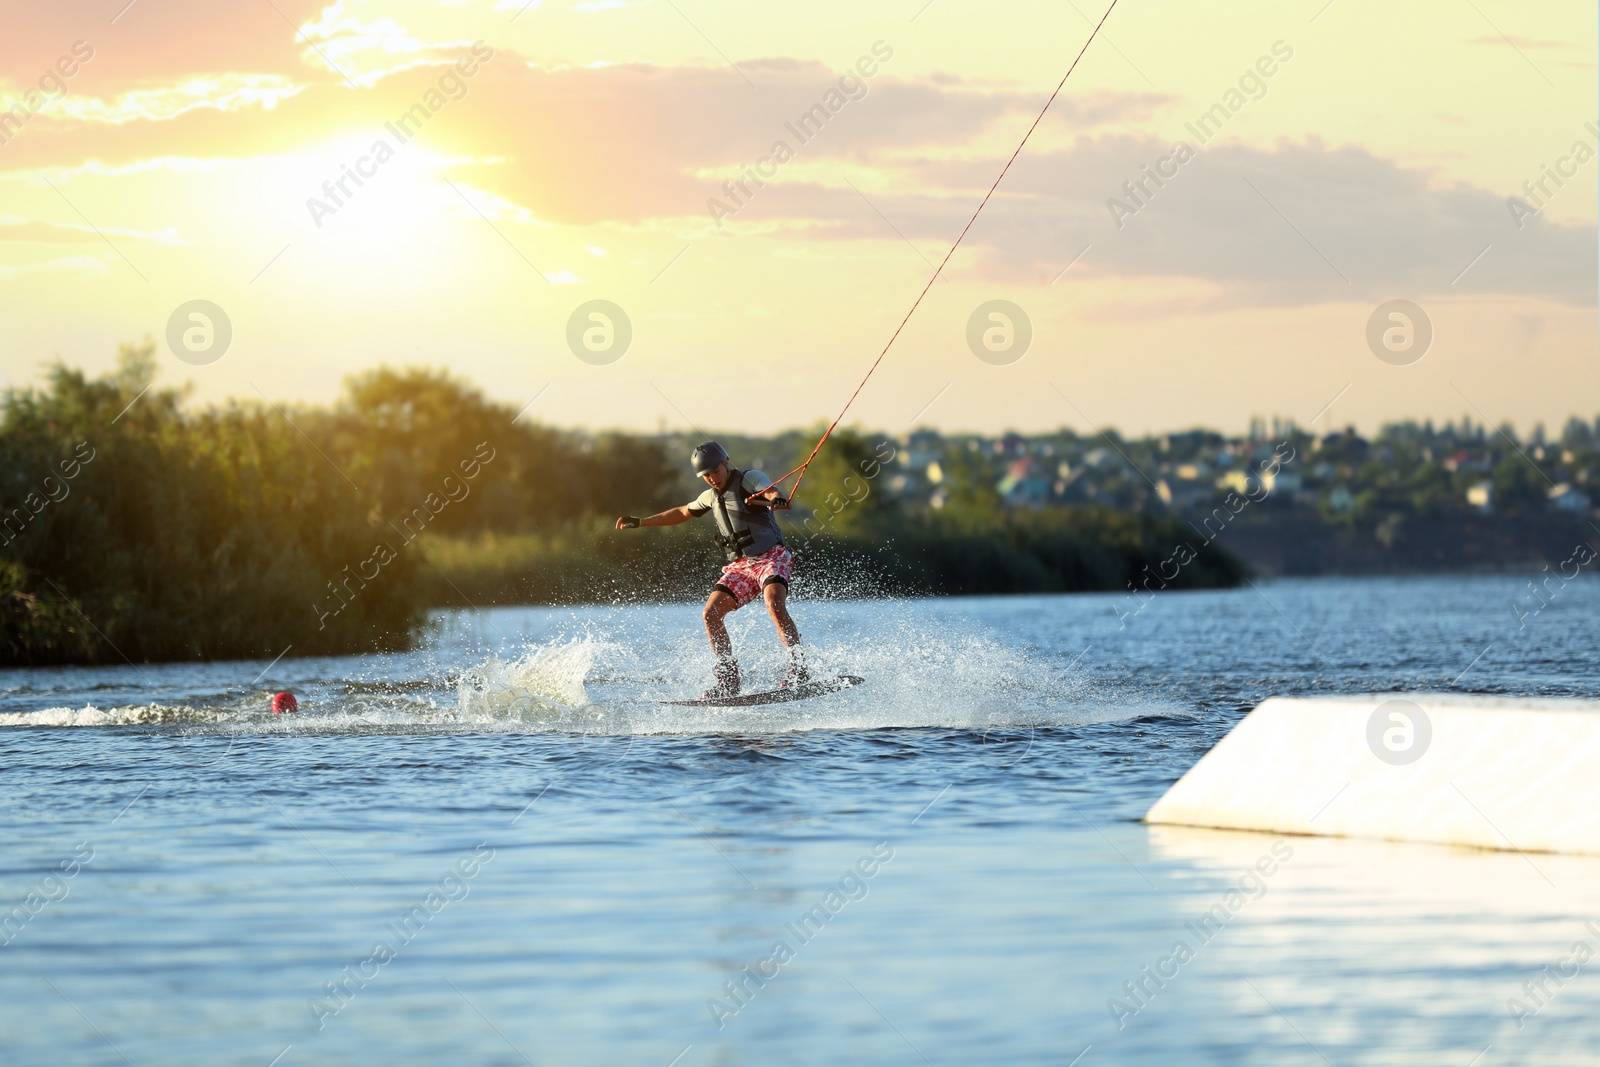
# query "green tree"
(133, 530)
(843, 491)
(1518, 485)
(969, 484)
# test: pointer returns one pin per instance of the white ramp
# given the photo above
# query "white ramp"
(1501, 773)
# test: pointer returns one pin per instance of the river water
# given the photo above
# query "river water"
(499, 849)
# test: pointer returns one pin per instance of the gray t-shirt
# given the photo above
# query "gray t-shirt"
(750, 483)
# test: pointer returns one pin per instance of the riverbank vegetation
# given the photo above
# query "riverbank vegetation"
(137, 527)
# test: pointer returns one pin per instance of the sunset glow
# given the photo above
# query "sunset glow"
(515, 161)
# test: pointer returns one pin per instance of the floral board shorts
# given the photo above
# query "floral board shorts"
(743, 579)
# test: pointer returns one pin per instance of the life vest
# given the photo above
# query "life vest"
(743, 530)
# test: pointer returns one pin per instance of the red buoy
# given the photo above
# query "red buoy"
(284, 702)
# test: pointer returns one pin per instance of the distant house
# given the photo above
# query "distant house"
(1466, 461)
(1012, 444)
(1565, 498)
(1185, 496)
(1246, 482)
(1340, 499)
(1024, 485)
(1238, 481)
(1481, 496)
(1288, 481)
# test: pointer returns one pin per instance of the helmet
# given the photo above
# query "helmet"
(705, 457)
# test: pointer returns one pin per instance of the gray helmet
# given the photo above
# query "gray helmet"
(705, 457)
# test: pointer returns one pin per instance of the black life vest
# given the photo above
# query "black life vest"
(743, 529)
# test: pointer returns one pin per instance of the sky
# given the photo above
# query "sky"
(515, 161)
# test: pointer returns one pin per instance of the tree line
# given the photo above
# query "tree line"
(136, 527)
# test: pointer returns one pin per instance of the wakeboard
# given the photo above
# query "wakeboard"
(820, 687)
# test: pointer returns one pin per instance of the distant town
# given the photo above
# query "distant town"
(1407, 468)
(1414, 498)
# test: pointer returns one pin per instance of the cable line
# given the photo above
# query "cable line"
(801, 469)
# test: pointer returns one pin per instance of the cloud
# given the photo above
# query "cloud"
(1300, 224)
(630, 142)
(578, 144)
(227, 92)
(156, 48)
(366, 50)
(216, 119)
(620, 143)
(35, 231)
(68, 265)
(165, 41)
(642, 145)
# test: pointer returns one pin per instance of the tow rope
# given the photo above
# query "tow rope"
(801, 469)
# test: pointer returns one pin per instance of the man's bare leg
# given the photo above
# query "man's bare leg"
(776, 595)
(726, 670)
(718, 604)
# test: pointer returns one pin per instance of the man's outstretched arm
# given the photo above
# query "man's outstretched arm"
(773, 498)
(670, 517)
